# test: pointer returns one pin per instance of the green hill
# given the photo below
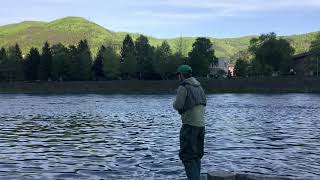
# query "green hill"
(71, 30)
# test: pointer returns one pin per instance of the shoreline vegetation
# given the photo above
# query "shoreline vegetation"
(211, 86)
(266, 56)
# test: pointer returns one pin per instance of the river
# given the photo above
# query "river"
(136, 136)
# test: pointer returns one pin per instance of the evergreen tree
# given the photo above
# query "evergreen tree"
(45, 66)
(60, 62)
(84, 60)
(32, 65)
(97, 67)
(145, 57)
(128, 66)
(3, 55)
(14, 64)
(164, 60)
(201, 56)
(73, 64)
(3, 61)
(111, 64)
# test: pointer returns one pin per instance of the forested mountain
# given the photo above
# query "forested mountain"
(70, 30)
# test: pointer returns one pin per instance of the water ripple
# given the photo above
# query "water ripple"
(136, 137)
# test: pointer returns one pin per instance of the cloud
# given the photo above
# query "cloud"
(157, 13)
(217, 8)
(243, 4)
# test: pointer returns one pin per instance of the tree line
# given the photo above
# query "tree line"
(270, 55)
(265, 56)
(135, 60)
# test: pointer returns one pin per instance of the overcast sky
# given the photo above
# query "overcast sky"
(172, 18)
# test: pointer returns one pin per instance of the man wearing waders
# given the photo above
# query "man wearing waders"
(190, 103)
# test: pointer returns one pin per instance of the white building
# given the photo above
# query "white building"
(219, 69)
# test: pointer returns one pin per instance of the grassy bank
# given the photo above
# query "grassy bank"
(272, 85)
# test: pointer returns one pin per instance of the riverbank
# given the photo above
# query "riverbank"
(271, 85)
(228, 175)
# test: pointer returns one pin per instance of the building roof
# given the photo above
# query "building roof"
(301, 56)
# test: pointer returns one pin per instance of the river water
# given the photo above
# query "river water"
(136, 136)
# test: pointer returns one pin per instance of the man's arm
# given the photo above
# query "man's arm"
(180, 98)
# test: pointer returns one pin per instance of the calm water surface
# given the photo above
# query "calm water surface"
(136, 137)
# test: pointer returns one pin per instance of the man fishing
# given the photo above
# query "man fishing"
(190, 102)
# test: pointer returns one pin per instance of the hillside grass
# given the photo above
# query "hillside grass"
(70, 30)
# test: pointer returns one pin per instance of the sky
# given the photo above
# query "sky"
(175, 18)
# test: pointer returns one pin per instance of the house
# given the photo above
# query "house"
(301, 64)
(220, 68)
